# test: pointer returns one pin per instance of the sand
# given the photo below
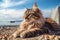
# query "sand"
(7, 31)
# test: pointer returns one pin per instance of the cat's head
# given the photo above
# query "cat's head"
(31, 14)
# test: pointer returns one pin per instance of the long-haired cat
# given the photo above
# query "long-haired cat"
(33, 21)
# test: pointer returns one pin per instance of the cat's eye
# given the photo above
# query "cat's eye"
(36, 15)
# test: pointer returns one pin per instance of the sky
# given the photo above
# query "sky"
(14, 9)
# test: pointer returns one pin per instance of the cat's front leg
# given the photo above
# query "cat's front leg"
(15, 34)
(31, 33)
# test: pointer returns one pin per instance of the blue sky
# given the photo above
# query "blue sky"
(14, 9)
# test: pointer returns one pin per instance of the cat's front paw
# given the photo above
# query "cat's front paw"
(23, 35)
(26, 34)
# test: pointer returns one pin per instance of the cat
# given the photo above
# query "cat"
(32, 23)
(33, 20)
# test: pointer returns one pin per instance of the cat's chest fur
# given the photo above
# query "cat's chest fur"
(34, 23)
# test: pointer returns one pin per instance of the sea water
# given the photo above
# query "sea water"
(8, 22)
(2, 23)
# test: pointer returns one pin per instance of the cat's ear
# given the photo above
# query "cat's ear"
(35, 6)
(26, 8)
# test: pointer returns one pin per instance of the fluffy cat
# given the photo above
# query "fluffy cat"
(33, 20)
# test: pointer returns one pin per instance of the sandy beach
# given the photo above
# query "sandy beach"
(8, 31)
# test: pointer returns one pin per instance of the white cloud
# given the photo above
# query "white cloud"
(47, 12)
(9, 3)
(15, 14)
(11, 13)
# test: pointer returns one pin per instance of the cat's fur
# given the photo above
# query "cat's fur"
(33, 20)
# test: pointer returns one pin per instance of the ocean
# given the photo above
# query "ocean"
(8, 22)
(2, 23)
